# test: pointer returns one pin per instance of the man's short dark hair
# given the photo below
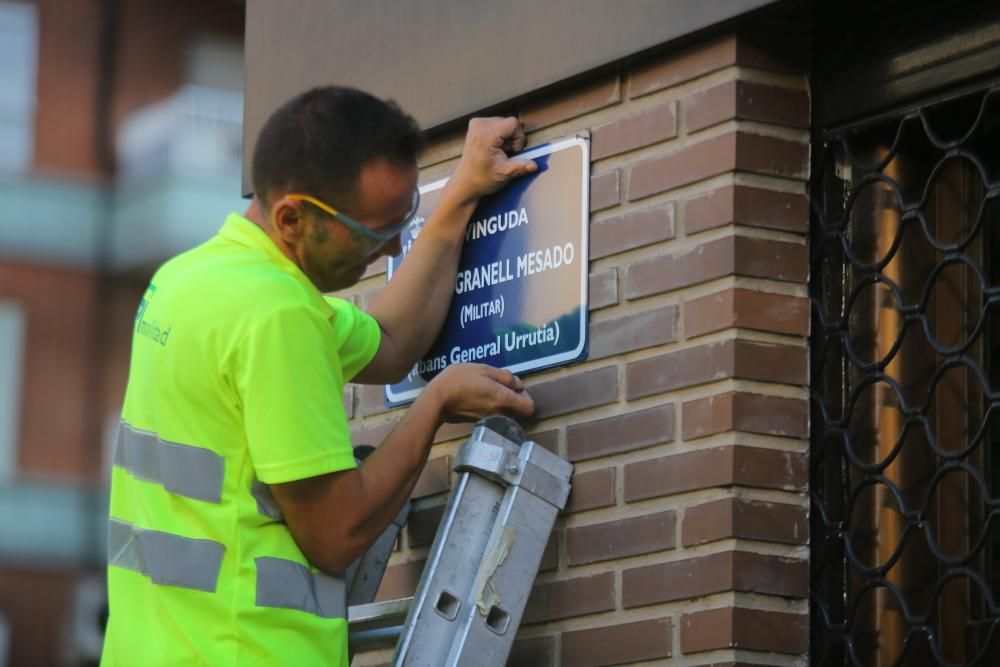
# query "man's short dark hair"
(317, 142)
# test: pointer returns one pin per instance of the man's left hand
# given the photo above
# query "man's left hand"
(485, 166)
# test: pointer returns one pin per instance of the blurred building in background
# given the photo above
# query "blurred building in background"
(120, 139)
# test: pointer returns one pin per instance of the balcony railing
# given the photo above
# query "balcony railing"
(195, 129)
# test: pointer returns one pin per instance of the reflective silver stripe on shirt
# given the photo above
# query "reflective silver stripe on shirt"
(163, 557)
(266, 504)
(189, 471)
(290, 585)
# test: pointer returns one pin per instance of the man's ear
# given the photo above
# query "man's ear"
(286, 217)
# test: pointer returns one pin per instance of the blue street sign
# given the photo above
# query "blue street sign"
(520, 299)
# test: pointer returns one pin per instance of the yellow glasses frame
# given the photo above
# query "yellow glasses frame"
(380, 236)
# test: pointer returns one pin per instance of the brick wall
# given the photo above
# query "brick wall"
(60, 302)
(37, 604)
(57, 440)
(685, 538)
(149, 59)
(58, 307)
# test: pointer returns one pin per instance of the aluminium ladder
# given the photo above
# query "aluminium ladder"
(483, 561)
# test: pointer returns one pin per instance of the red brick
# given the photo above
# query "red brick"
(745, 205)
(736, 151)
(603, 289)
(678, 67)
(54, 431)
(635, 331)
(716, 467)
(747, 309)
(349, 401)
(34, 596)
(550, 557)
(680, 269)
(370, 434)
(715, 361)
(435, 478)
(591, 490)
(575, 392)
(746, 412)
(745, 519)
(621, 538)
(533, 652)
(400, 581)
(770, 574)
(448, 432)
(617, 644)
(636, 130)
(771, 363)
(605, 190)
(761, 154)
(783, 49)
(376, 268)
(422, 525)
(747, 629)
(705, 108)
(690, 164)
(746, 100)
(716, 573)
(570, 597)
(547, 439)
(763, 258)
(621, 433)
(583, 99)
(64, 114)
(758, 467)
(461, 432)
(442, 147)
(631, 230)
(372, 400)
(730, 255)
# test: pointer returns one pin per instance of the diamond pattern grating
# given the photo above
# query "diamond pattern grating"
(905, 435)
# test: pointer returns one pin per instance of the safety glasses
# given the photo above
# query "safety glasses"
(378, 237)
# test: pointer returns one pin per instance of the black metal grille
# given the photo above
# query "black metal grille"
(905, 445)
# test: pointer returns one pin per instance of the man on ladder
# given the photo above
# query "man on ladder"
(236, 501)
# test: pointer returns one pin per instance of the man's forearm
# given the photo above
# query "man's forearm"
(334, 518)
(389, 474)
(412, 307)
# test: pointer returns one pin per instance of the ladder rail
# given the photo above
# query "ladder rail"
(487, 551)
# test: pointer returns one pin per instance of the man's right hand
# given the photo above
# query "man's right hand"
(336, 516)
(467, 392)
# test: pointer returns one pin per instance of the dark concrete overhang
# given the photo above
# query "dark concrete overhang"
(443, 60)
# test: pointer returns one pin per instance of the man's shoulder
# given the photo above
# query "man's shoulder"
(230, 277)
(228, 266)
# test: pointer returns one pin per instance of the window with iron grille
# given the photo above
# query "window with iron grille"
(905, 444)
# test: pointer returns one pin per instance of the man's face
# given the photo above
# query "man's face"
(335, 257)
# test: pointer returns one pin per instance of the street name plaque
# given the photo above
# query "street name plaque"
(520, 299)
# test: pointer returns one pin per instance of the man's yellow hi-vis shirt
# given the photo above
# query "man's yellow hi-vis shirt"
(236, 381)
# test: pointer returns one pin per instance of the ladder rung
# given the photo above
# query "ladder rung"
(378, 614)
(377, 624)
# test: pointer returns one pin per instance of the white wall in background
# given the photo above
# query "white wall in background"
(18, 72)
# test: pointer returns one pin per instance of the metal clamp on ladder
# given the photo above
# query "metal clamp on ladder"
(484, 559)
